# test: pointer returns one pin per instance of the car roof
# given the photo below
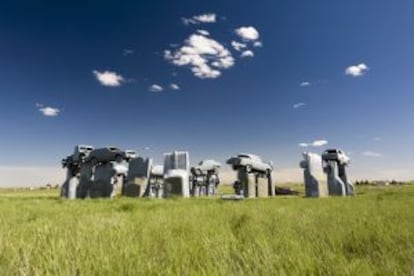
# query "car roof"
(84, 146)
(249, 155)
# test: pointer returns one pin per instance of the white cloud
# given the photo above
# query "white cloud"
(203, 32)
(156, 88)
(247, 53)
(319, 143)
(202, 18)
(174, 86)
(127, 52)
(316, 143)
(248, 33)
(305, 83)
(377, 139)
(372, 154)
(258, 44)
(356, 70)
(48, 111)
(205, 56)
(206, 18)
(298, 105)
(238, 46)
(108, 78)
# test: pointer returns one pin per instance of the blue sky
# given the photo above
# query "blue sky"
(49, 52)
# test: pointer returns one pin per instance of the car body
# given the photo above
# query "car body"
(208, 165)
(177, 174)
(177, 183)
(335, 155)
(66, 161)
(205, 166)
(157, 171)
(177, 160)
(81, 152)
(121, 169)
(106, 154)
(130, 154)
(251, 161)
(139, 168)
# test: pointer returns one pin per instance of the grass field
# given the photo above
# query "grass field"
(372, 233)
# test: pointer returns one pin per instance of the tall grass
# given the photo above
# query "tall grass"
(372, 233)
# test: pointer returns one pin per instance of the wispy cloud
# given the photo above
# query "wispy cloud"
(48, 111)
(203, 32)
(108, 78)
(248, 33)
(305, 83)
(357, 70)
(298, 105)
(202, 18)
(316, 143)
(319, 143)
(377, 139)
(127, 52)
(156, 88)
(258, 44)
(205, 56)
(247, 53)
(174, 86)
(372, 154)
(238, 46)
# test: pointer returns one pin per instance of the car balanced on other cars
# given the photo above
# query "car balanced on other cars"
(107, 154)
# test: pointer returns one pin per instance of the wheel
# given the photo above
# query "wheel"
(118, 158)
(81, 158)
(94, 161)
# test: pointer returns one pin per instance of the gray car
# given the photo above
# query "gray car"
(107, 154)
(205, 166)
(251, 162)
(337, 155)
(81, 152)
(130, 154)
(66, 161)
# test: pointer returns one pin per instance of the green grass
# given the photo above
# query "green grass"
(372, 233)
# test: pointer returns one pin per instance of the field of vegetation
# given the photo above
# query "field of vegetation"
(372, 233)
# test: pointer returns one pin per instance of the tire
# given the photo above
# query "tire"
(118, 158)
(94, 161)
(81, 158)
(268, 173)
